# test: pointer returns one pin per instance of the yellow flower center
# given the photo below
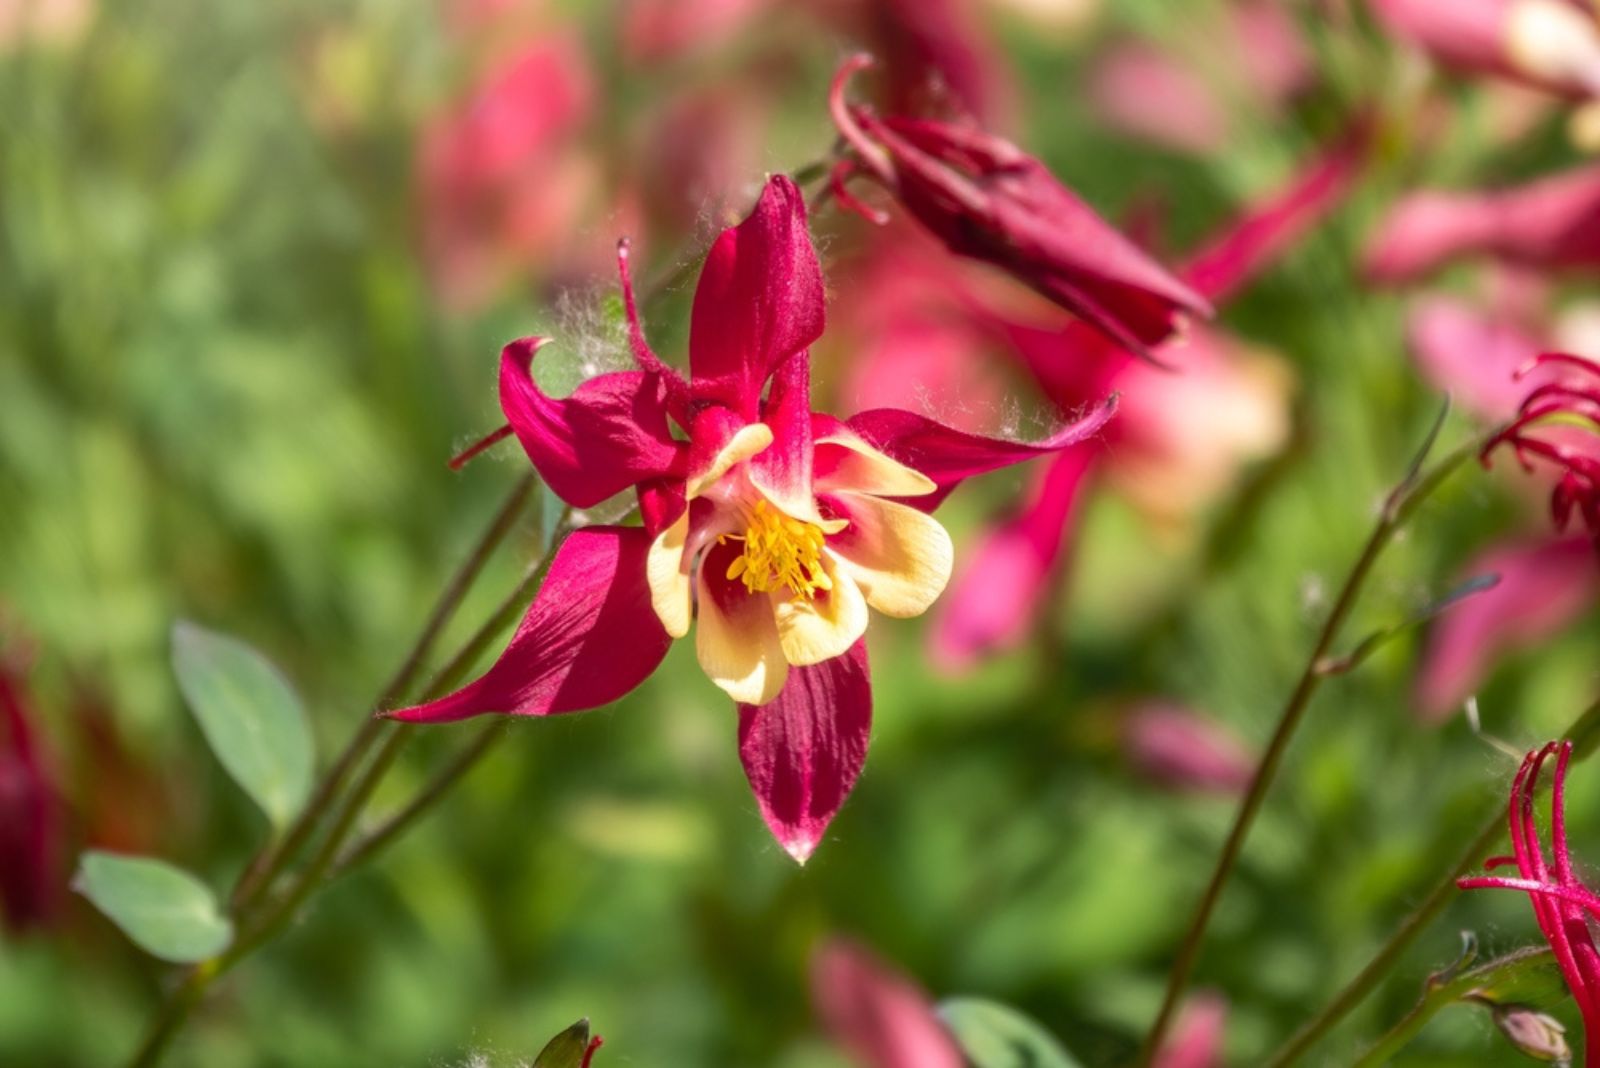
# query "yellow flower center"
(779, 551)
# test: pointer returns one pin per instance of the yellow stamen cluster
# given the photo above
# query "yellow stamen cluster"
(779, 552)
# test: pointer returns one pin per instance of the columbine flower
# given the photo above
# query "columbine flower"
(1551, 44)
(987, 199)
(772, 528)
(879, 1016)
(1559, 424)
(1562, 905)
(1553, 222)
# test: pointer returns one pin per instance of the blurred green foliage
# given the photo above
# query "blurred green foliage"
(227, 394)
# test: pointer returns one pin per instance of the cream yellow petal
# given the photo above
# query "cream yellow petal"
(737, 638)
(819, 629)
(668, 578)
(900, 557)
(749, 441)
(848, 463)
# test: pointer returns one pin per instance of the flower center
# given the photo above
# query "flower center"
(779, 551)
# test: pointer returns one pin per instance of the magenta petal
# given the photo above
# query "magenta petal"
(589, 637)
(803, 750)
(758, 303)
(876, 1014)
(611, 433)
(31, 839)
(948, 456)
(1544, 587)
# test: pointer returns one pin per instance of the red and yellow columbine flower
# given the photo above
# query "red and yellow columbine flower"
(771, 530)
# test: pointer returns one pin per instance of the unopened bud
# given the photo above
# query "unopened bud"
(1534, 1033)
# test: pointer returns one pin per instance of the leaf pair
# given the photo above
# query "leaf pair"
(257, 727)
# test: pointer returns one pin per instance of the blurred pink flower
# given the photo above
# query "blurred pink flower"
(1552, 222)
(1545, 586)
(1010, 571)
(986, 199)
(911, 331)
(879, 1016)
(1551, 44)
(43, 22)
(1255, 58)
(1196, 1040)
(699, 151)
(1563, 906)
(1176, 747)
(32, 879)
(656, 30)
(1471, 354)
(1180, 438)
(501, 176)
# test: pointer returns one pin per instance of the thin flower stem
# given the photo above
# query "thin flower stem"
(270, 862)
(262, 873)
(1401, 502)
(1584, 731)
(370, 844)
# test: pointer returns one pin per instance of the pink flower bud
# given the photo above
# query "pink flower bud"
(1550, 44)
(1176, 747)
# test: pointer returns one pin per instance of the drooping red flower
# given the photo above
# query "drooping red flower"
(1179, 437)
(1558, 424)
(772, 528)
(985, 198)
(879, 1016)
(1563, 906)
(31, 876)
(1549, 44)
(1552, 222)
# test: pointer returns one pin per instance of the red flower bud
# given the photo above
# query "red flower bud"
(986, 199)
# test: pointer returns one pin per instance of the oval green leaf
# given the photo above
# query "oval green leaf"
(997, 1036)
(165, 911)
(250, 715)
(566, 1050)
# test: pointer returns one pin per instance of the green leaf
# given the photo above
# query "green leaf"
(996, 1036)
(251, 717)
(566, 1050)
(166, 911)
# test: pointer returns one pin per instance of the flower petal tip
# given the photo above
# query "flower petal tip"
(800, 848)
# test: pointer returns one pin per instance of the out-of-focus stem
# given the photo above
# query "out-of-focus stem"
(273, 859)
(1401, 502)
(270, 862)
(1583, 733)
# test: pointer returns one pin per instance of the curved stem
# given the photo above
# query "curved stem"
(1585, 730)
(1398, 507)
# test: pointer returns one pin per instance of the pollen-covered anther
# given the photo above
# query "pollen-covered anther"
(780, 552)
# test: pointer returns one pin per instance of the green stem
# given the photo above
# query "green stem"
(370, 844)
(1583, 733)
(1398, 508)
(265, 869)
(271, 861)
